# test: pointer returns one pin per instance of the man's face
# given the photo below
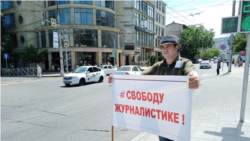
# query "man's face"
(169, 51)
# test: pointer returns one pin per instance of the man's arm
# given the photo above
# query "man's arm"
(194, 79)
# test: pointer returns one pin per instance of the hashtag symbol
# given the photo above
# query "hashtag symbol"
(122, 95)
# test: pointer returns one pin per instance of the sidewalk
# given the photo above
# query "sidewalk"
(51, 74)
(216, 110)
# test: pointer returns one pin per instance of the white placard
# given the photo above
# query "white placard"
(55, 40)
(134, 105)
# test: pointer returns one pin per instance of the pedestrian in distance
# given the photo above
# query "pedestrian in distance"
(218, 67)
(39, 71)
(173, 64)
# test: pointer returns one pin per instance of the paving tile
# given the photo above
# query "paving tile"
(212, 125)
(199, 139)
(224, 138)
(203, 134)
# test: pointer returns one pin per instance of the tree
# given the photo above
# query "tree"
(33, 55)
(241, 42)
(152, 60)
(160, 58)
(212, 52)
(193, 39)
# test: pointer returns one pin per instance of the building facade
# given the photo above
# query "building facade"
(174, 29)
(90, 26)
(160, 17)
(139, 31)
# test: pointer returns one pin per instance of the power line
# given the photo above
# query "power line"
(183, 3)
(180, 14)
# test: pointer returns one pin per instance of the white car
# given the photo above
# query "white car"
(129, 70)
(84, 74)
(205, 64)
(108, 69)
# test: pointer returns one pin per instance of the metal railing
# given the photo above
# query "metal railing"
(18, 72)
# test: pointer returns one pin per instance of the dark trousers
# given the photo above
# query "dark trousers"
(218, 71)
(164, 139)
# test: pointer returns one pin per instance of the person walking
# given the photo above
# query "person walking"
(173, 64)
(218, 67)
(39, 71)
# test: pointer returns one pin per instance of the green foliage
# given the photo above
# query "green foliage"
(33, 55)
(195, 38)
(212, 52)
(160, 58)
(152, 60)
(241, 42)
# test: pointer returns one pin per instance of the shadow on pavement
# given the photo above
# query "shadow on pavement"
(75, 86)
(226, 130)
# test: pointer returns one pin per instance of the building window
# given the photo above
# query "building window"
(104, 18)
(108, 39)
(162, 32)
(83, 16)
(105, 3)
(83, 2)
(120, 41)
(151, 11)
(137, 19)
(137, 37)
(18, 2)
(6, 4)
(163, 8)
(65, 16)
(157, 4)
(163, 20)
(151, 25)
(85, 38)
(142, 54)
(144, 7)
(55, 2)
(144, 22)
(156, 17)
(137, 4)
(65, 35)
(12, 38)
(9, 21)
(22, 40)
(20, 19)
(43, 39)
(37, 40)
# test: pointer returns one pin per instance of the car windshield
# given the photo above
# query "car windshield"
(79, 70)
(204, 59)
(125, 69)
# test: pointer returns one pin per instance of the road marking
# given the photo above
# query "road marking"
(210, 75)
(205, 75)
(25, 81)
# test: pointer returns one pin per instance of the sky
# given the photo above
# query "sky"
(193, 12)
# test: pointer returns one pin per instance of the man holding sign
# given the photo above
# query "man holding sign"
(173, 64)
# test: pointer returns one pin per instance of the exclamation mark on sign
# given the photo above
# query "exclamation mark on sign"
(183, 119)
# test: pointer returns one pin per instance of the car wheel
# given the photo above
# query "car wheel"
(200, 67)
(67, 85)
(81, 82)
(100, 79)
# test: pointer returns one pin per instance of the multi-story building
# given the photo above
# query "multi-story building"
(174, 29)
(160, 17)
(139, 30)
(90, 26)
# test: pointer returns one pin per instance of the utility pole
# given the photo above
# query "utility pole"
(231, 41)
(60, 45)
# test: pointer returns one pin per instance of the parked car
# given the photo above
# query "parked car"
(199, 60)
(205, 64)
(215, 60)
(84, 74)
(108, 69)
(211, 60)
(129, 70)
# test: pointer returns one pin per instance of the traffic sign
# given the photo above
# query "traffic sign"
(53, 22)
(6, 56)
(66, 43)
(223, 47)
(43, 18)
(245, 17)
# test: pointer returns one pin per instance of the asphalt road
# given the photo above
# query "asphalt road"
(45, 110)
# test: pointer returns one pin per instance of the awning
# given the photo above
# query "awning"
(156, 49)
